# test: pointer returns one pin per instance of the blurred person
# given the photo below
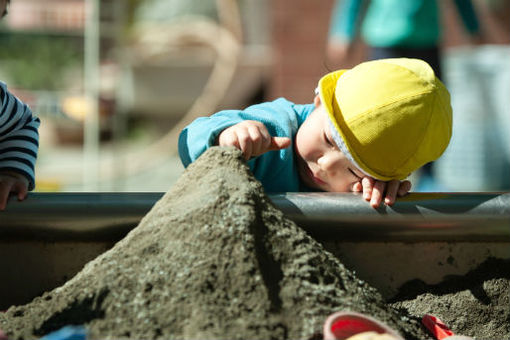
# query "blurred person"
(395, 28)
(478, 157)
(344, 141)
(19, 142)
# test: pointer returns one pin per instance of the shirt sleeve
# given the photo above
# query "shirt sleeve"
(281, 118)
(19, 136)
(201, 134)
(344, 20)
(468, 14)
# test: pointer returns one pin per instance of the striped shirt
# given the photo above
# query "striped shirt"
(19, 137)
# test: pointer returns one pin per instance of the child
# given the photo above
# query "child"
(368, 128)
(18, 142)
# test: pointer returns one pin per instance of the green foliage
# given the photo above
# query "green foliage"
(36, 61)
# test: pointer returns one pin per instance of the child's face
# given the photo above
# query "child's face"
(321, 164)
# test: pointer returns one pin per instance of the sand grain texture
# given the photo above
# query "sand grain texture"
(476, 304)
(213, 259)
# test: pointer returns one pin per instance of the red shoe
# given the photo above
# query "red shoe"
(343, 325)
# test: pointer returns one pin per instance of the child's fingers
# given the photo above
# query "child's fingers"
(252, 138)
(228, 137)
(245, 143)
(391, 192)
(5, 189)
(273, 143)
(266, 141)
(367, 183)
(377, 193)
(278, 143)
(21, 190)
(258, 139)
(357, 187)
(404, 188)
(12, 183)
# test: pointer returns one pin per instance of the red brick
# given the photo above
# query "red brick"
(300, 30)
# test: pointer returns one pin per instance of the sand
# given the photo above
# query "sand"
(213, 259)
(476, 304)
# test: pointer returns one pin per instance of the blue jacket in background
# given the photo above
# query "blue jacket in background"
(276, 170)
(392, 23)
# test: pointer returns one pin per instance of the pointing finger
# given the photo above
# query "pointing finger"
(278, 143)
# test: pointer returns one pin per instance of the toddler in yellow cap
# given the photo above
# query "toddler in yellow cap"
(368, 128)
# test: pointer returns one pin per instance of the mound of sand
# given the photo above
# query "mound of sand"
(476, 304)
(212, 259)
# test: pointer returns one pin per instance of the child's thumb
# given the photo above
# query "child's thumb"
(278, 143)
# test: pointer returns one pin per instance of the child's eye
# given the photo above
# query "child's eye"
(327, 140)
(354, 174)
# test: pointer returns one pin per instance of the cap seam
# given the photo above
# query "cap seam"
(411, 153)
(363, 114)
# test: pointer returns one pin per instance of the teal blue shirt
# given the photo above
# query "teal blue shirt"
(397, 23)
(276, 170)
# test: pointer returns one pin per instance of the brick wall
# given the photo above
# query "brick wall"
(299, 33)
(48, 14)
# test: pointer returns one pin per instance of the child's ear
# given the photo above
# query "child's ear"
(317, 100)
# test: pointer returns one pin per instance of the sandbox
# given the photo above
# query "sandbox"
(386, 250)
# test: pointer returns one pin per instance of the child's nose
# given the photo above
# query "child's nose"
(327, 162)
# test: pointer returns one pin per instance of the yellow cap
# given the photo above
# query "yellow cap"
(389, 116)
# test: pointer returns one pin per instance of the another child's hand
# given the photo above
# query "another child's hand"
(252, 138)
(374, 190)
(12, 182)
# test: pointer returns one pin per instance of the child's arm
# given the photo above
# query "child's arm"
(12, 182)
(19, 137)
(280, 117)
(374, 190)
(252, 138)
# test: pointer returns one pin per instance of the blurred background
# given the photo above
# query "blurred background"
(114, 81)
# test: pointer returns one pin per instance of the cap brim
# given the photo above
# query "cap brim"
(327, 87)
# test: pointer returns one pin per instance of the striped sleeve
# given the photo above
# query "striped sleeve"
(19, 136)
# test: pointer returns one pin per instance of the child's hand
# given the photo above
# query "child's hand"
(374, 190)
(252, 138)
(12, 182)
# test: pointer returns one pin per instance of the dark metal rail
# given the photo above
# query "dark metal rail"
(341, 216)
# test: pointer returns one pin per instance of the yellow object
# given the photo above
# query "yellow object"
(47, 185)
(76, 107)
(390, 116)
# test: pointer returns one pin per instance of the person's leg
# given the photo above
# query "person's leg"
(430, 55)
(383, 53)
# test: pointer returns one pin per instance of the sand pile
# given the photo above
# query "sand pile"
(212, 259)
(476, 304)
